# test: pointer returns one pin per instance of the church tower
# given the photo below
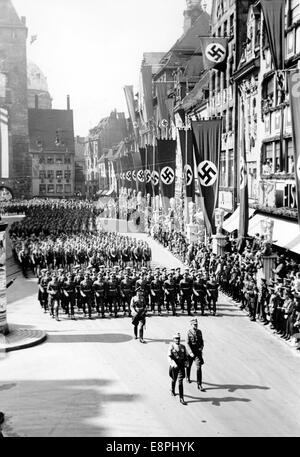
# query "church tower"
(192, 12)
(13, 99)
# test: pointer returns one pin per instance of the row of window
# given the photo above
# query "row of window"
(51, 173)
(51, 189)
(59, 160)
(276, 159)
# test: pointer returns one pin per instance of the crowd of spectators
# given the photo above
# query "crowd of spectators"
(275, 303)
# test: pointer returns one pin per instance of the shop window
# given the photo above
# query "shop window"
(67, 188)
(59, 188)
(50, 188)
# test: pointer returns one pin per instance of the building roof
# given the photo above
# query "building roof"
(36, 80)
(153, 59)
(181, 52)
(8, 14)
(45, 125)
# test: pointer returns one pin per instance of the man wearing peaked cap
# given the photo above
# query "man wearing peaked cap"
(195, 345)
(177, 355)
(138, 309)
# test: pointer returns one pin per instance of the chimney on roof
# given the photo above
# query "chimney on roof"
(68, 102)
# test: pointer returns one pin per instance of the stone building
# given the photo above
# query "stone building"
(98, 151)
(15, 160)
(52, 150)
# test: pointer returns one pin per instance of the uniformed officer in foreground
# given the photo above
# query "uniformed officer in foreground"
(195, 345)
(178, 358)
(138, 310)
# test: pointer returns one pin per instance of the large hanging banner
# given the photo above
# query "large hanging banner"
(186, 144)
(154, 173)
(294, 92)
(274, 15)
(244, 200)
(149, 169)
(131, 184)
(141, 171)
(207, 137)
(129, 95)
(166, 164)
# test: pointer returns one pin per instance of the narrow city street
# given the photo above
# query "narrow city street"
(91, 378)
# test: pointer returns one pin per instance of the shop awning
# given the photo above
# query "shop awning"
(233, 222)
(286, 234)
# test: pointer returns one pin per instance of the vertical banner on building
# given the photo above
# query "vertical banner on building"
(154, 171)
(130, 173)
(123, 166)
(294, 92)
(207, 137)
(187, 153)
(148, 169)
(141, 172)
(106, 173)
(163, 112)
(274, 15)
(244, 198)
(4, 144)
(147, 95)
(166, 164)
(3, 299)
(129, 95)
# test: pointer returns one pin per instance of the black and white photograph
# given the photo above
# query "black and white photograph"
(149, 222)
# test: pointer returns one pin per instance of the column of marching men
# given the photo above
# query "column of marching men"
(107, 291)
(88, 272)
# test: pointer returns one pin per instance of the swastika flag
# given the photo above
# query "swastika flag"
(207, 137)
(187, 153)
(215, 52)
(166, 166)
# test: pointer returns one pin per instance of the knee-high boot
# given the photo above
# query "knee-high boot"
(181, 398)
(173, 388)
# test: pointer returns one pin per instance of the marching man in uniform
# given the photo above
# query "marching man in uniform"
(138, 310)
(195, 344)
(178, 358)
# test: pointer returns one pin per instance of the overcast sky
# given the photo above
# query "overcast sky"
(91, 49)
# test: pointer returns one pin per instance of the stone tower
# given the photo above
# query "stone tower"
(13, 71)
(192, 12)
